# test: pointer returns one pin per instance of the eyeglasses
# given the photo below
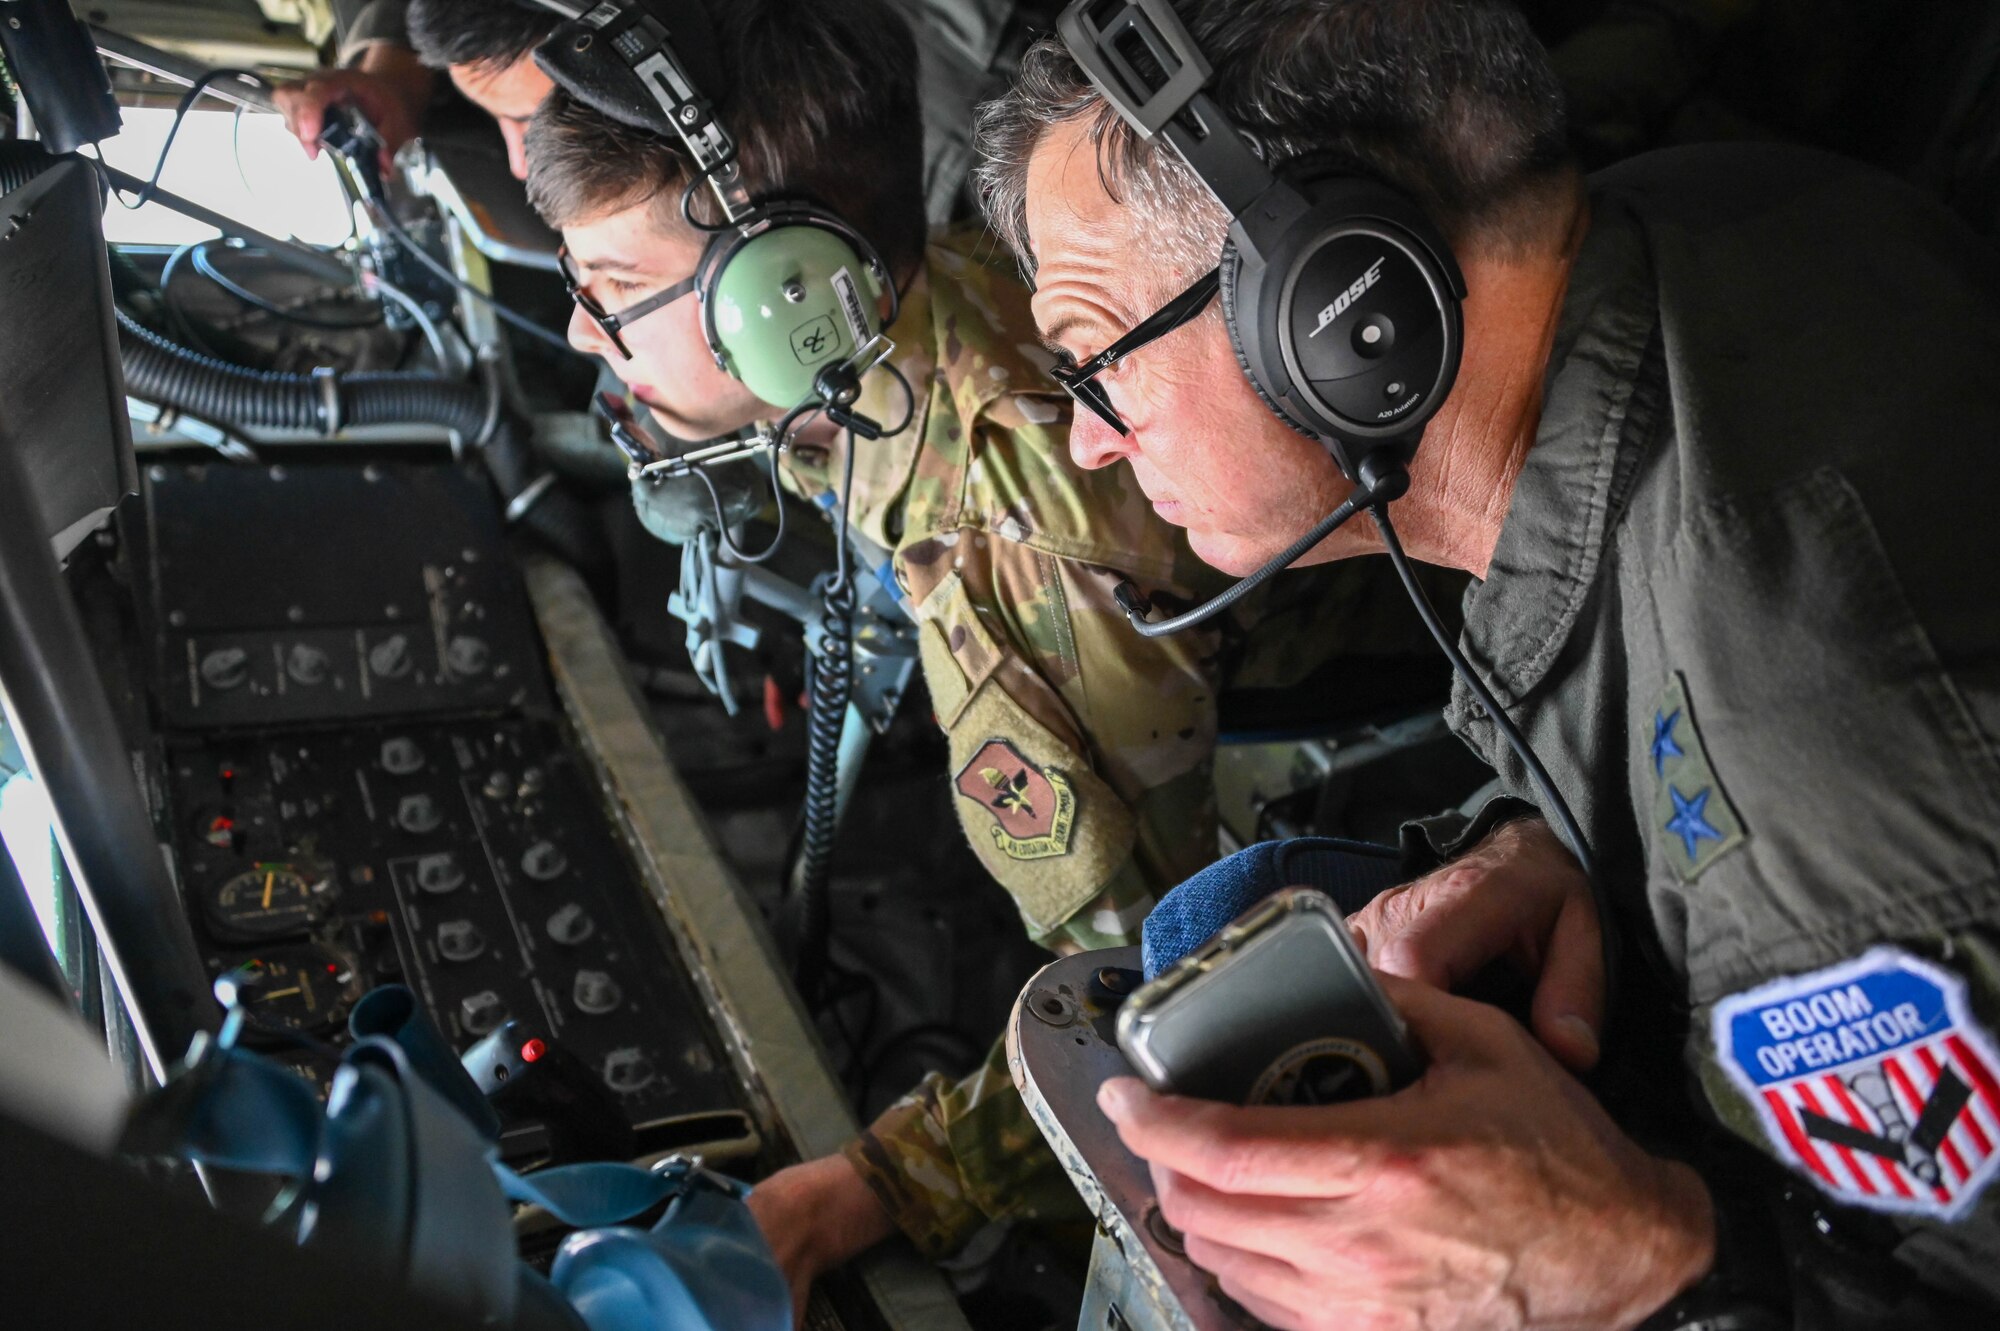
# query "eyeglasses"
(1081, 380)
(607, 320)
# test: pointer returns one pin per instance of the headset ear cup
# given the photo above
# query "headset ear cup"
(1230, 268)
(714, 256)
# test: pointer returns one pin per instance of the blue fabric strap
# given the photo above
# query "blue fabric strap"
(704, 1267)
(399, 1176)
(391, 1012)
(1352, 873)
(588, 1195)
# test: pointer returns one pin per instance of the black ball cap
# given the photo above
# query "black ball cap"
(585, 64)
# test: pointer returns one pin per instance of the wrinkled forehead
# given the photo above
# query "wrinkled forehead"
(1077, 230)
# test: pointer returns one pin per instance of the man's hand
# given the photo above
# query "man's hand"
(390, 86)
(1493, 1192)
(817, 1216)
(1518, 895)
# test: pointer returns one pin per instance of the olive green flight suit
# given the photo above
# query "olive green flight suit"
(1742, 606)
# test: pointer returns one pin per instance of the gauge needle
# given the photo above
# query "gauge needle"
(269, 879)
(281, 993)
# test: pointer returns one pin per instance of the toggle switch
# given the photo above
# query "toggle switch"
(466, 655)
(390, 658)
(543, 860)
(439, 873)
(460, 940)
(307, 665)
(596, 993)
(401, 756)
(570, 926)
(482, 1013)
(628, 1069)
(419, 813)
(225, 668)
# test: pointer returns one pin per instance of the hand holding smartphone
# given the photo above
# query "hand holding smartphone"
(1278, 1008)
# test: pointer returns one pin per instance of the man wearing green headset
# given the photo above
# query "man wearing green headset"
(1080, 752)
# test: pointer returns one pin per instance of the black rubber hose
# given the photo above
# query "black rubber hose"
(21, 160)
(160, 370)
(163, 371)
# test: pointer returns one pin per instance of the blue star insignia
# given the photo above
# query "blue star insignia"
(1664, 744)
(1690, 822)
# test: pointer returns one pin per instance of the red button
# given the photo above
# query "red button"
(532, 1051)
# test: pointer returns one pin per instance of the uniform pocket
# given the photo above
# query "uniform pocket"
(959, 654)
(1870, 800)
(1043, 823)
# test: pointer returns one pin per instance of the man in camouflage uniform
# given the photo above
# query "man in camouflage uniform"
(1080, 751)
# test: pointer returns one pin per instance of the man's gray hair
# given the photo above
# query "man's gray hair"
(1452, 101)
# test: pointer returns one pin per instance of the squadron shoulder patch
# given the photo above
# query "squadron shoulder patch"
(1870, 1077)
(1033, 808)
(1693, 820)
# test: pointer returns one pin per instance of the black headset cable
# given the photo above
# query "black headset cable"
(1553, 803)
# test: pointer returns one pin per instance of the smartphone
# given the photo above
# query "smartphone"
(1278, 1008)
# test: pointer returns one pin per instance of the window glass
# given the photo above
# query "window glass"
(255, 173)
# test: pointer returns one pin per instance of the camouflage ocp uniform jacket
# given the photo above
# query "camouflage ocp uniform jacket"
(1080, 752)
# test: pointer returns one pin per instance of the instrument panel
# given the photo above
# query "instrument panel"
(413, 816)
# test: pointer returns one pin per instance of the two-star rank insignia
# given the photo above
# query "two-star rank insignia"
(1693, 820)
(1871, 1078)
(1033, 807)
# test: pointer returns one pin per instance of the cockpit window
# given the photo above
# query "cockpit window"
(248, 167)
(26, 832)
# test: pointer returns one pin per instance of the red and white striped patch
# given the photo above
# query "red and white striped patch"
(1871, 1079)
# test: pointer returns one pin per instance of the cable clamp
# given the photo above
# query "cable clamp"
(489, 373)
(327, 380)
(531, 495)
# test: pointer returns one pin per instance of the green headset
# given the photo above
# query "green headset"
(789, 291)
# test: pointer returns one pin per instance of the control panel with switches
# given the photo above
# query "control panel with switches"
(464, 860)
(310, 593)
(364, 781)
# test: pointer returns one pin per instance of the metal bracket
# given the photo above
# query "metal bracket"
(1062, 1045)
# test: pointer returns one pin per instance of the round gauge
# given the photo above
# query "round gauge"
(306, 989)
(269, 901)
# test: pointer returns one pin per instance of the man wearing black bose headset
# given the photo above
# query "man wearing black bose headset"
(1718, 443)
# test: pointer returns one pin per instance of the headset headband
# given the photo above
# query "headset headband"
(653, 52)
(1145, 64)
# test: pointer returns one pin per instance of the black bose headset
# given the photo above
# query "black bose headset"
(1342, 302)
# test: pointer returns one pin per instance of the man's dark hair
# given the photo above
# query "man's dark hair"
(486, 34)
(1452, 101)
(822, 105)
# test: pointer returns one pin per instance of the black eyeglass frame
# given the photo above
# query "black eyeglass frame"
(1080, 380)
(611, 321)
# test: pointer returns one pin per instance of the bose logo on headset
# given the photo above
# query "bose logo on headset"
(1347, 298)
